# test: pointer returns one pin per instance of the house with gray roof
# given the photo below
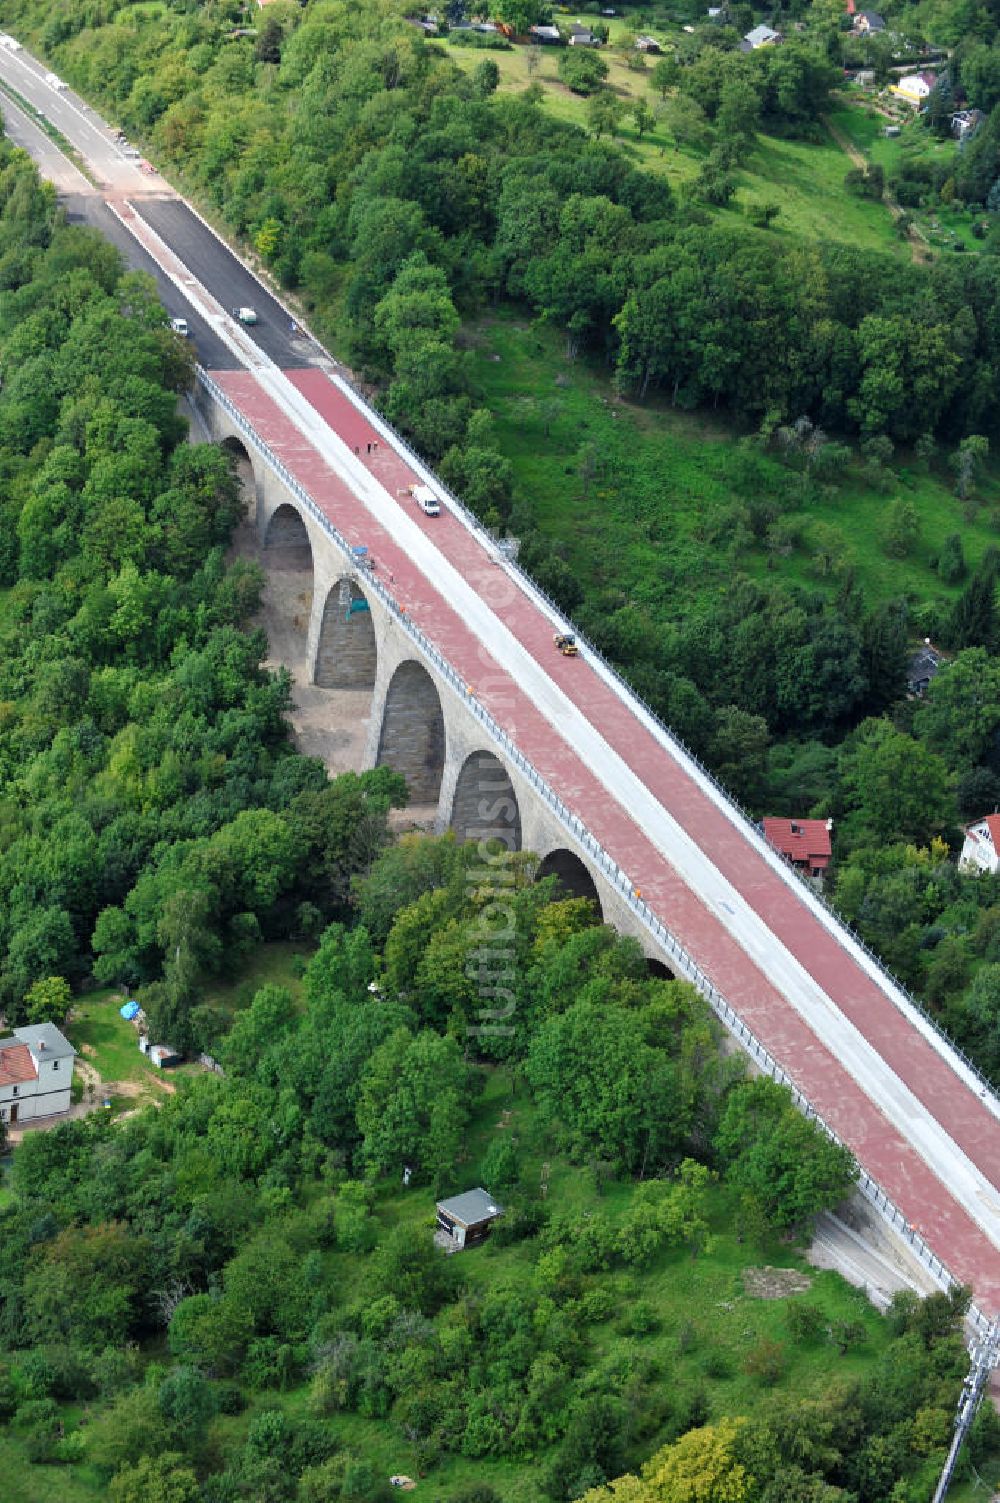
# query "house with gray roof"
(36, 1073)
(762, 36)
(466, 1219)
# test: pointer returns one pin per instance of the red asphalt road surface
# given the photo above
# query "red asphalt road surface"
(926, 1202)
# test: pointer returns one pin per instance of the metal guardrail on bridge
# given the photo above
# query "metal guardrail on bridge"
(808, 892)
(683, 963)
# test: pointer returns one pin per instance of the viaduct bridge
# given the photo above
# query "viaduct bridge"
(435, 656)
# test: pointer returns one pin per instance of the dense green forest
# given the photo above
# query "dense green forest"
(229, 1297)
(406, 199)
(151, 804)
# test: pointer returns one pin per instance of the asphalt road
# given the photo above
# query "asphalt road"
(213, 264)
(95, 140)
(118, 179)
(211, 350)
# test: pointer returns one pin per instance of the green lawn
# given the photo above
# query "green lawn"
(655, 525)
(104, 1039)
(37, 1484)
(111, 1044)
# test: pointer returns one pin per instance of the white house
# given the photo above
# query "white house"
(762, 36)
(36, 1073)
(914, 87)
(981, 850)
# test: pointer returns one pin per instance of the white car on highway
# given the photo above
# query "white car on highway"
(11, 43)
(55, 81)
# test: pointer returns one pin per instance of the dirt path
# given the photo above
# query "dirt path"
(918, 242)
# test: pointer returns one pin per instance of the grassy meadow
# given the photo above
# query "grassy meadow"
(805, 178)
(656, 521)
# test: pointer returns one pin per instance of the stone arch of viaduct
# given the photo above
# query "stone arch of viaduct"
(458, 775)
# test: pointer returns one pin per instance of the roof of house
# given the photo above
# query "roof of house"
(16, 1064)
(992, 823)
(930, 79)
(874, 21)
(924, 663)
(800, 839)
(45, 1039)
(472, 1208)
(760, 35)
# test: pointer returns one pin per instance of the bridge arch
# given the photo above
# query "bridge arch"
(485, 805)
(286, 540)
(411, 737)
(287, 558)
(245, 474)
(346, 651)
(574, 878)
(657, 970)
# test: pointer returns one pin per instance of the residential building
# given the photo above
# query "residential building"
(36, 1073)
(580, 36)
(922, 667)
(804, 842)
(915, 87)
(867, 23)
(646, 44)
(981, 847)
(466, 1219)
(965, 123)
(550, 36)
(762, 36)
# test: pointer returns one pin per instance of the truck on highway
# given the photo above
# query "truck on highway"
(245, 315)
(426, 500)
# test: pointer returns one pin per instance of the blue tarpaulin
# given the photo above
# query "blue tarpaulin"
(129, 1011)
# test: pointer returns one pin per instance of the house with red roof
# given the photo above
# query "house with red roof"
(803, 842)
(981, 848)
(36, 1073)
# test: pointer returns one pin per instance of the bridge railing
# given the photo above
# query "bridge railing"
(893, 988)
(682, 962)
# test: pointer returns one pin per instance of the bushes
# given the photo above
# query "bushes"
(581, 70)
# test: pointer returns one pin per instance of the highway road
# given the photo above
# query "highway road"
(664, 821)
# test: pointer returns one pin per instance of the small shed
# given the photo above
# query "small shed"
(466, 1219)
(646, 44)
(164, 1056)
